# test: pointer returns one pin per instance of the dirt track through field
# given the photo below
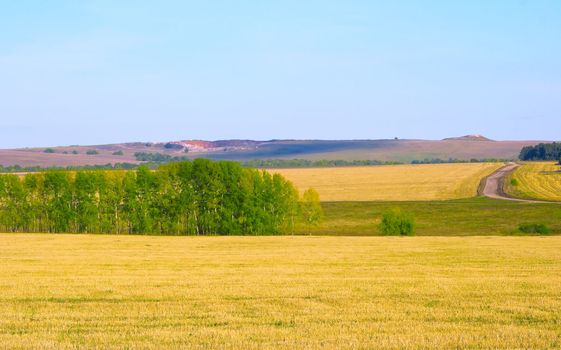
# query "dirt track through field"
(493, 185)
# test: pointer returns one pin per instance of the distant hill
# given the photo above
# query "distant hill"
(383, 150)
(475, 137)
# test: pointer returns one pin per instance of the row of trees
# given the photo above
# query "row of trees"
(108, 166)
(306, 163)
(198, 197)
(454, 160)
(542, 151)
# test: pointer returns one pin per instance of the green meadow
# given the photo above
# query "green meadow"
(478, 216)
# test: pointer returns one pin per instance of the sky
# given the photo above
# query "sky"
(103, 71)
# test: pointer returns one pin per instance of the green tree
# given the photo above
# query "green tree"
(310, 207)
(57, 197)
(86, 201)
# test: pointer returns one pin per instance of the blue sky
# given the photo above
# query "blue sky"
(91, 72)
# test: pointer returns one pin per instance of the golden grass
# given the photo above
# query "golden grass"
(76, 291)
(536, 180)
(392, 182)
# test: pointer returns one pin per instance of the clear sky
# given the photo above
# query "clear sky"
(91, 72)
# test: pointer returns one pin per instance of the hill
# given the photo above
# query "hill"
(475, 137)
(383, 150)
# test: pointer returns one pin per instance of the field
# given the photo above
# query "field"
(536, 180)
(465, 217)
(392, 182)
(70, 291)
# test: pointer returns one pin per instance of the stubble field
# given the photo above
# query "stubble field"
(71, 291)
(536, 180)
(392, 182)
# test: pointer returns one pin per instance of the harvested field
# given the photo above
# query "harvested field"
(535, 180)
(85, 291)
(393, 182)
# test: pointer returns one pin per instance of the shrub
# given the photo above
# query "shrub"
(395, 222)
(514, 182)
(75, 152)
(534, 228)
(49, 150)
(118, 153)
(92, 152)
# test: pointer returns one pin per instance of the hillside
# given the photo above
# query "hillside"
(385, 150)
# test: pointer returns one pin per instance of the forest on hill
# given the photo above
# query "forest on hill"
(198, 197)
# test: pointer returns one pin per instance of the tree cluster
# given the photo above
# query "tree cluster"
(542, 151)
(198, 197)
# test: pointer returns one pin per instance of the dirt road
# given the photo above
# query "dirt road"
(493, 185)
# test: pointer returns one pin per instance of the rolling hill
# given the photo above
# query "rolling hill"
(465, 148)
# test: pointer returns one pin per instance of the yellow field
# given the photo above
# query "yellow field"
(72, 291)
(392, 182)
(540, 180)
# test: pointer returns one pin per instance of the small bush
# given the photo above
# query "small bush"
(395, 222)
(75, 152)
(514, 182)
(92, 152)
(118, 153)
(49, 150)
(534, 228)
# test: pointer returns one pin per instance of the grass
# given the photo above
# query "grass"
(392, 182)
(84, 291)
(536, 180)
(474, 216)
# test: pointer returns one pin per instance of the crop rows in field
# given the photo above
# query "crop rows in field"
(536, 180)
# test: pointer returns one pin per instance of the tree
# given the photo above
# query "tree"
(395, 222)
(57, 197)
(86, 201)
(310, 207)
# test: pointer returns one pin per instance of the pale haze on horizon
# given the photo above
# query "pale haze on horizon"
(93, 72)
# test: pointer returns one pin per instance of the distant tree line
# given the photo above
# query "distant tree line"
(108, 166)
(454, 160)
(158, 157)
(306, 163)
(183, 198)
(542, 151)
